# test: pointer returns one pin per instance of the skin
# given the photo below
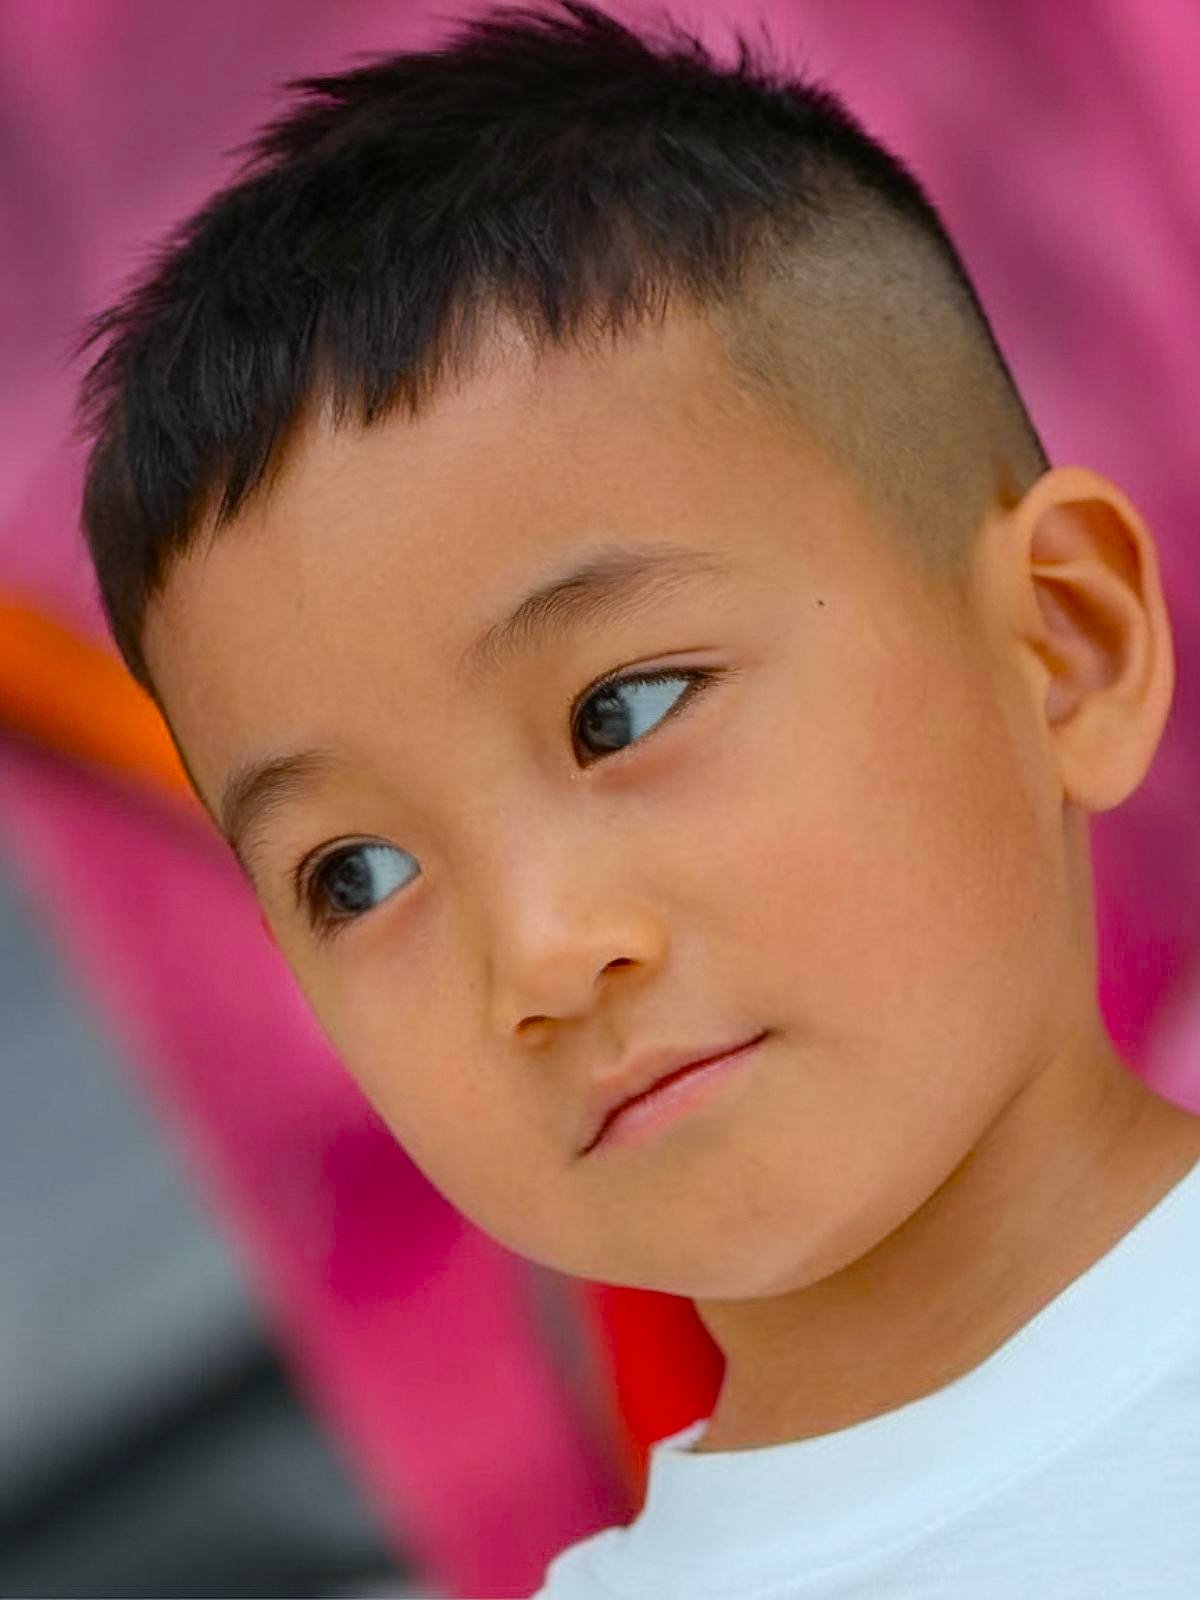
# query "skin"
(869, 837)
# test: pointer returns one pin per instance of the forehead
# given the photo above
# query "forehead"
(399, 541)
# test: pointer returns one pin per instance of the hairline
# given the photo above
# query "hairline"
(475, 330)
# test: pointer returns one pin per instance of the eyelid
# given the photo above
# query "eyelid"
(637, 670)
(311, 862)
(698, 679)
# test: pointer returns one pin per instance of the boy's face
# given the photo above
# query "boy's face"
(847, 838)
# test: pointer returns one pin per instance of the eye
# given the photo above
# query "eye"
(623, 710)
(348, 882)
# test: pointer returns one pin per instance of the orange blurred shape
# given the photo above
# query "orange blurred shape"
(78, 698)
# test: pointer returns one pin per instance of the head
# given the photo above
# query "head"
(507, 373)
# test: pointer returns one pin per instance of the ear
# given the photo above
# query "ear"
(1082, 571)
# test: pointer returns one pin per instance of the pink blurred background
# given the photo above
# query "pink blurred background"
(1061, 143)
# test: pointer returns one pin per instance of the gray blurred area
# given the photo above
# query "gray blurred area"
(150, 1443)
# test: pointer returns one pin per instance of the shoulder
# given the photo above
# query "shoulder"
(578, 1572)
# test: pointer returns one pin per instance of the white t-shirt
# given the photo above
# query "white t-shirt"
(1065, 1465)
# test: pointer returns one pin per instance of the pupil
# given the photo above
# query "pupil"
(608, 728)
(349, 883)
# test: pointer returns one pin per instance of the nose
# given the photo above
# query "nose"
(566, 919)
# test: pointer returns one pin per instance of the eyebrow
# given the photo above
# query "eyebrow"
(255, 791)
(611, 581)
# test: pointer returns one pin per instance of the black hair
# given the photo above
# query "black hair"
(557, 166)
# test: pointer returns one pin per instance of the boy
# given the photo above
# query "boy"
(607, 589)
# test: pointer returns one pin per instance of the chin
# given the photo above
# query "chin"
(755, 1261)
(750, 1272)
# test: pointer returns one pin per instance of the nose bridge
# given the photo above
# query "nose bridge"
(562, 900)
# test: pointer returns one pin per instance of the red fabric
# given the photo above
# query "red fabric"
(664, 1366)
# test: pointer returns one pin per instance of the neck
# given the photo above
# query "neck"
(1072, 1164)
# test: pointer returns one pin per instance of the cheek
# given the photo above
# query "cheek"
(420, 1067)
(908, 887)
(893, 901)
(409, 1066)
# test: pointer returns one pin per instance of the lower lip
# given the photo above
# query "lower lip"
(643, 1118)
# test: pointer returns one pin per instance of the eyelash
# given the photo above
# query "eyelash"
(326, 925)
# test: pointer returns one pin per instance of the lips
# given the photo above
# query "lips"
(642, 1075)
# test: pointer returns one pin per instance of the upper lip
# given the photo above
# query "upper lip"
(641, 1073)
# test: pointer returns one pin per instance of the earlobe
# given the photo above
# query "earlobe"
(1094, 615)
